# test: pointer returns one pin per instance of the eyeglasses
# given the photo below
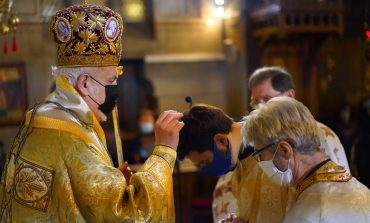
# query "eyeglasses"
(256, 153)
(254, 103)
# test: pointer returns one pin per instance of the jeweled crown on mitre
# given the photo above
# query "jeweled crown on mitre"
(87, 36)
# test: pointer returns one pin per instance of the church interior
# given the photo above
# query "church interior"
(205, 50)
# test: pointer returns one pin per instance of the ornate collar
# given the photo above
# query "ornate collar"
(329, 172)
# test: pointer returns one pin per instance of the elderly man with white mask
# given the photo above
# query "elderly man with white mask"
(286, 140)
(266, 83)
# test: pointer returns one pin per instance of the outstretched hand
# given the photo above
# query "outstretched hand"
(167, 128)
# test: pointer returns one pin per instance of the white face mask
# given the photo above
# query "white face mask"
(146, 127)
(280, 177)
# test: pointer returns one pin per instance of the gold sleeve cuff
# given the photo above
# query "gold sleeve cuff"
(166, 153)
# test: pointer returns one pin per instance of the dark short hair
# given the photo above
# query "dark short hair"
(202, 123)
(281, 80)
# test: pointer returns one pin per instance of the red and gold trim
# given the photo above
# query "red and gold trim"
(330, 172)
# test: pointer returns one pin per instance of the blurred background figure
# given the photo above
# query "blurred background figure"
(146, 125)
(137, 141)
(345, 125)
(362, 145)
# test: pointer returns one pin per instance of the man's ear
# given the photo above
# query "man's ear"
(290, 93)
(81, 85)
(285, 150)
(221, 141)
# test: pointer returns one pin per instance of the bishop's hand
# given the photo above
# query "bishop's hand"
(167, 128)
(126, 171)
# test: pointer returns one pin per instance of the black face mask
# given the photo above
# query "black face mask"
(111, 96)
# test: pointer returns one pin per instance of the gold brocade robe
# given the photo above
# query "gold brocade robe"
(226, 202)
(63, 172)
(330, 195)
(259, 199)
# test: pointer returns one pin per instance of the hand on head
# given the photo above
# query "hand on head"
(167, 128)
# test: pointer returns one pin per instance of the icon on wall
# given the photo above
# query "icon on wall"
(13, 96)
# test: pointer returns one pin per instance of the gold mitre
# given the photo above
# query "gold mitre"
(87, 36)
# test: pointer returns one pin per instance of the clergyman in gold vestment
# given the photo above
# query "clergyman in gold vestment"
(58, 169)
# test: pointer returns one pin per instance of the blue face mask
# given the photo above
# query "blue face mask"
(220, 165)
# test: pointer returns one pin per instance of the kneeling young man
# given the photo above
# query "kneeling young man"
(212, 141)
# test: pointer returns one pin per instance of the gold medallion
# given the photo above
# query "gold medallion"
(63, 30)
(111, 30)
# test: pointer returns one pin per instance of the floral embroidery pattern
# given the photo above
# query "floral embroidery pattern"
(33, 185)
(269, 196)
(78, 20)
(96, 22)
(224, 208)
(87, 35)
(328, 132)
